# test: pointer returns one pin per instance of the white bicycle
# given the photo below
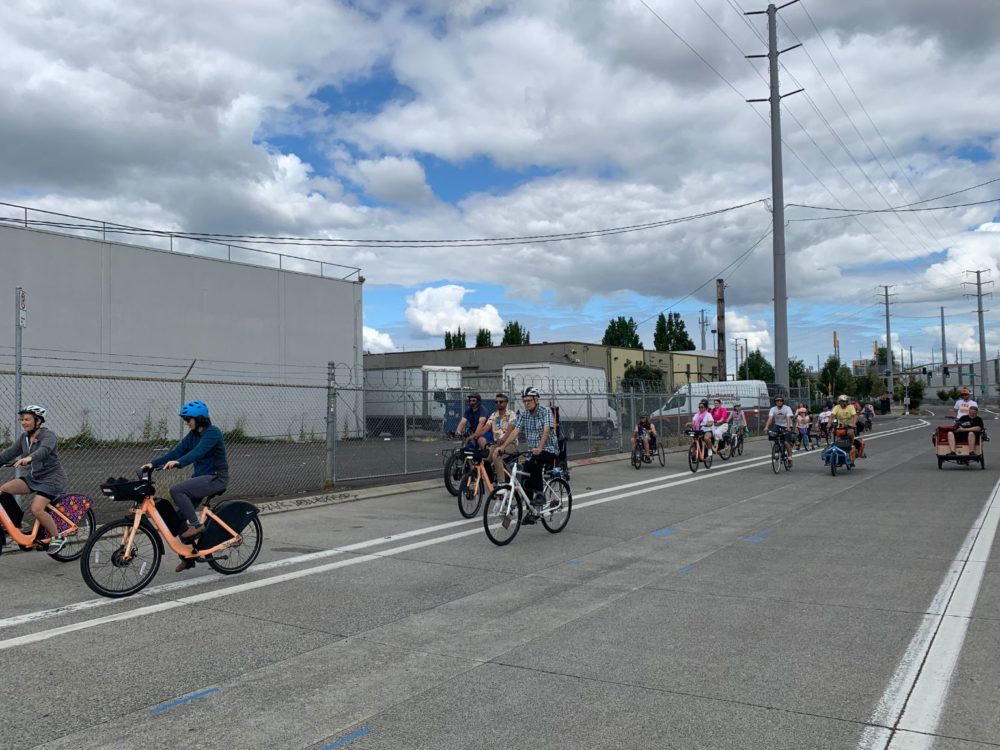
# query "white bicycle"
(508, 506)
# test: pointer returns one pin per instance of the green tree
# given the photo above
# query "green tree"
(514, 334)
(869, 385)
(671, 334)
(756, 367)
(880, 359)
(484, 338)
(454, 340)
(621, 332)
(797, 373)
(835, 378)
(642, 377)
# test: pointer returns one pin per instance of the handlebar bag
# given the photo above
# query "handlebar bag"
(236, 514)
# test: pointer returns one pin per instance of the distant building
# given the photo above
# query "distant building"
(486, 363)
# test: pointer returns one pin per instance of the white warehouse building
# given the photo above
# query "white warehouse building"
(118, 334)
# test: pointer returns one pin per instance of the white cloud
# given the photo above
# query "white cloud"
(434, 310)
(392, 180)
(376, 342)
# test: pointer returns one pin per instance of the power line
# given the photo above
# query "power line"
(862, 212)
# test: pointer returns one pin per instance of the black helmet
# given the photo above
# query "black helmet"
(703, 402)
(475, 396)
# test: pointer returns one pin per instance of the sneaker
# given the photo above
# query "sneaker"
(647, 459)
(56, 544)
(538, 500)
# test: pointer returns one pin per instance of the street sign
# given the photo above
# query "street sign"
(22, 308)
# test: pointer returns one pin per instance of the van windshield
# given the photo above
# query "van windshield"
(676, 402)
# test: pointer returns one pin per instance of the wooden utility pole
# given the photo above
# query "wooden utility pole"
(720, 325)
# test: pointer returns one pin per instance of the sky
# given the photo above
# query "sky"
(402, 123)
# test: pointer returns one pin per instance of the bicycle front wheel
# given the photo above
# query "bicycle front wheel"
(78, 540)
(725, 448)
(454, 468)
(240, 556)
(776, 456)
(555, 519)
(637, 458)
(693, 457)
(502, 517)
(104, 566)
(470, 494)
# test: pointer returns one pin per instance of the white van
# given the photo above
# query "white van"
(750, 394)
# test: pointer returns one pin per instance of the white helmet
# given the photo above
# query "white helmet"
(34, 409)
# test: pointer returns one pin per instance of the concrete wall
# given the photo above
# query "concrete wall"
(109, 298)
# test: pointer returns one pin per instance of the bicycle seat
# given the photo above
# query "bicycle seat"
(205, 500)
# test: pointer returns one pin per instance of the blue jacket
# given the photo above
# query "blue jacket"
(206, 450)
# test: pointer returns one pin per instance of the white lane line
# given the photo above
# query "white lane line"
(167, 588)
(917, 691)
(31, 617)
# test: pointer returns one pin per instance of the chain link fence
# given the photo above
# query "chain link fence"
(290, 439)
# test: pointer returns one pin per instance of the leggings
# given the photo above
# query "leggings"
(187, 492)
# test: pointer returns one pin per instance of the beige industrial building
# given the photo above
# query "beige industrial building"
(679, 368)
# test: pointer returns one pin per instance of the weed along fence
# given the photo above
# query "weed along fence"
(286, 439)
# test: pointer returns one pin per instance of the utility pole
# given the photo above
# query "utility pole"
(930, 372)
(720, 326)
(911, 358)
(777, 192)
(703, 324)
(20, 321)
(944, 353)
(888, 340)
(836, 346)
(982, 328)
(736, 358)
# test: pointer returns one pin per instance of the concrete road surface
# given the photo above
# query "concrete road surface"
(731, 608)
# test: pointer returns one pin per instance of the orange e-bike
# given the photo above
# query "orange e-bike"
(123, 556)
(74, 518)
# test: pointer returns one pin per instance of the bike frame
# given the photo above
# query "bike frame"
(698, 440)
(518, 489)
(147, 508)
(25, 540)
(483, 475)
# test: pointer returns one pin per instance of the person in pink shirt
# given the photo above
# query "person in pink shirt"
(720, 416)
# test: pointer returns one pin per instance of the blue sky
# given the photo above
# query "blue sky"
(517, 119)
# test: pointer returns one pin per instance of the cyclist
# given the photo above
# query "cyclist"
(844, 417)
(720, 415)
(971, 426)
(737, 419)
(539, 432)
(781, 417)
(36, 450)
(704, 422)
(824, 419)
(474, 420)
(500, 423)
(205, 448)
(962, 406)
(645, 433)
(803, 424)
(869, 414)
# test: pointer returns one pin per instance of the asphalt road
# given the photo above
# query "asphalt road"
(731, 608)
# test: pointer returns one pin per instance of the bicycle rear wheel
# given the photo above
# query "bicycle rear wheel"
(502, 517)
(776, 456)
(470, 494)
(725, 448)
(693, 457)
(75, 543)
(662, 452)
(555, 520)
(739, 444)
(240, 556)
(103, 564)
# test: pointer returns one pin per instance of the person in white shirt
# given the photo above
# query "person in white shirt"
(704, 421)
(824, 419)
(962, 406)
(781, 417)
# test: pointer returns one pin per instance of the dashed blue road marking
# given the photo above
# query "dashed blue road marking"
(664, 532)
(185, 699)
(686, 569)
(349, 738)
(577, 561)
(758, 537)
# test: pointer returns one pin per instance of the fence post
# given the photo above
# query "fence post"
(180, 430)
(590, 424)
(406, 463)
(331, 426)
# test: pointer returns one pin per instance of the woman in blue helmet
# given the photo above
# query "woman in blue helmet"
(205, 448)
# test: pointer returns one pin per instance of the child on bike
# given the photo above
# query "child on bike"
(45, 480)
(803, 423)
(205, 448)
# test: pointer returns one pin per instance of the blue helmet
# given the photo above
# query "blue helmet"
(194, 409)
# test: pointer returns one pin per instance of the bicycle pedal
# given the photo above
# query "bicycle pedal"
(528, 520)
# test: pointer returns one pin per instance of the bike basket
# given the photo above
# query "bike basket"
(127, 490)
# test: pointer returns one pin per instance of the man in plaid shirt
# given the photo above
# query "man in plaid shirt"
(539, 431)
